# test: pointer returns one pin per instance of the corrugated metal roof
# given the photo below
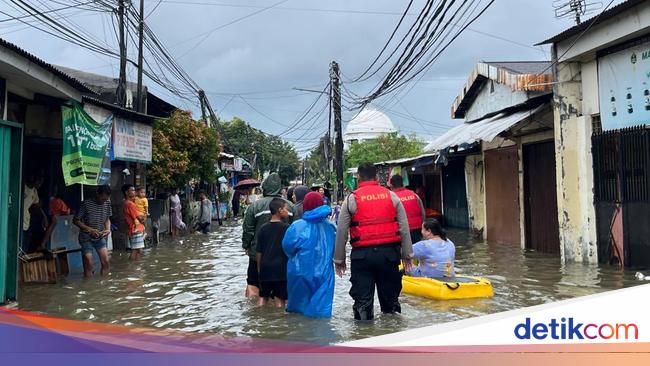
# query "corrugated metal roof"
(119, 110)
(530, 76)
(618, 9)
(485, 130)
(49, 67)
(405, 160)
(524, 67)
(100, 83)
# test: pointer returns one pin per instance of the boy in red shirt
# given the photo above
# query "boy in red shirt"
(134, 219)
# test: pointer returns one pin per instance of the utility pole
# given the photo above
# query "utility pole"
(328, 143)
(202, 100)
(121, 86)
(140, 98)
(335, 101)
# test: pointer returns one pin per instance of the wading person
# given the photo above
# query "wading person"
(435, 253)
(309, 245)
(236, 203)
(258, 214)
(270, 258)
(94, 222)
(299, 194)
(177, 215)
(375, 220)
(203, 223)
(412, 205)
(133, 219)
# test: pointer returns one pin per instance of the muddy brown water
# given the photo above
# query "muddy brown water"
(196, 284)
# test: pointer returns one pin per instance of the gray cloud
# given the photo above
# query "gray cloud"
(282, 48)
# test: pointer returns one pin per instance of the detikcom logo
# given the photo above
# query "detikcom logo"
(568, 328)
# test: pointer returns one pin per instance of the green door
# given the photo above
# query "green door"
(11, 138)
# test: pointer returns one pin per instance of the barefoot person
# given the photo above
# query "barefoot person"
(94, 222)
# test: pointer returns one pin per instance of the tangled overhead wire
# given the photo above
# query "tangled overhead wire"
(436, 27)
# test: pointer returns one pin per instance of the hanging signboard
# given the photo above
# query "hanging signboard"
(132, 141)
(624, 87)
(85, 147)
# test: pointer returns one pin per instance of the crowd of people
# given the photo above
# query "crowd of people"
(93, 218)
(295, 248)
(294, 240)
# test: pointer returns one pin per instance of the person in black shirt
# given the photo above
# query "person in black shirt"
(271, 260)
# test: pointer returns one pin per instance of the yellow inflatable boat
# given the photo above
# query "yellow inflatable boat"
(459, 287)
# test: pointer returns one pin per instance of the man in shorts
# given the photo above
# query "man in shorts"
(94, 222)
(134, 222)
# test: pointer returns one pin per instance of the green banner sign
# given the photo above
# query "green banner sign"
(85, 147)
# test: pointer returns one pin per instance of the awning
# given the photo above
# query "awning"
(485, 130)
(404, 160)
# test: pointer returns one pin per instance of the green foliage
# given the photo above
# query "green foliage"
(267, 153)
(183, 149)
(386, 147)
(317, 166)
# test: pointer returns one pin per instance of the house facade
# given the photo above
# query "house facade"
(498, 168)
(601, 109)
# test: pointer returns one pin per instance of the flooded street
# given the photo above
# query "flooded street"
(196, 284)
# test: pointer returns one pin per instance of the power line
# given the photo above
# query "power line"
(153, 9)
(400, 73)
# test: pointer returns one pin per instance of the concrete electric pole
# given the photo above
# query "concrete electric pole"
(121, 86)
(335, 102)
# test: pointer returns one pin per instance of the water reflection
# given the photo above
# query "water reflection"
(197, 284)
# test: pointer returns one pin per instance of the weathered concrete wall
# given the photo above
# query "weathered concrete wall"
(488, 101)
(576, 213)
(475, 183)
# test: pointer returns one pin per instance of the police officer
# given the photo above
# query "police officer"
(412, 205)
(378, 229)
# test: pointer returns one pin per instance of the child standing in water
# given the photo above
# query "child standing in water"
(435, 253)
(271, 260)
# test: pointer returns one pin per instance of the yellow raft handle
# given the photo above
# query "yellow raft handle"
(451, 287)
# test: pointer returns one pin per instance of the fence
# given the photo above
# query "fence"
(621, 161)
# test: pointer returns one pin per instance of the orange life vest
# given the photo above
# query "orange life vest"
(411, 206)
(375, 221)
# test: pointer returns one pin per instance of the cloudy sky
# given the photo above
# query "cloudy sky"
(248, 55)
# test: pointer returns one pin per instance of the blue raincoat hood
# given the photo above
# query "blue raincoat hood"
(318, 213)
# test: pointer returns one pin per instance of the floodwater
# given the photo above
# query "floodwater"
(196, 284)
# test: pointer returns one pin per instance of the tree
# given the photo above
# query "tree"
(385, 147)
(267, 153)
(183, 149)
(318, 169)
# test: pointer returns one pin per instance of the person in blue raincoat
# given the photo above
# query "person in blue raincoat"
(309, 245)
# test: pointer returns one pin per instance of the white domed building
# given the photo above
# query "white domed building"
(367, 125)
